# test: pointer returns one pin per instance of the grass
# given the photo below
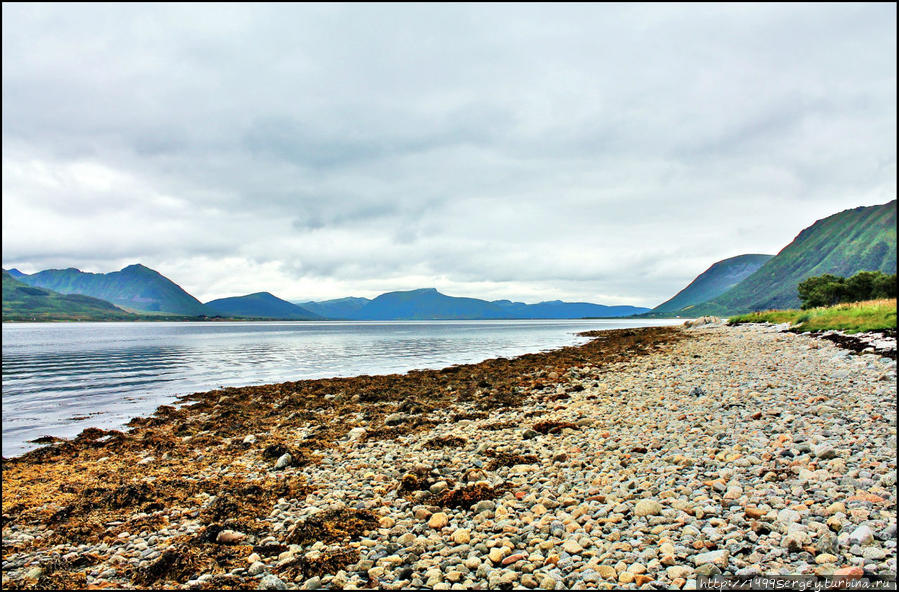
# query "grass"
(851, 317)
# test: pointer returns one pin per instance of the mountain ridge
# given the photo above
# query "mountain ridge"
(260, 305)
(134, 287)
(842, 244)
(430, 303)
(22, 302)
(720, 277)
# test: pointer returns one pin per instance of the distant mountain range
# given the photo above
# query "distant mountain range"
(141, 290)
(860, 239)
(428, 303)
(843, 244)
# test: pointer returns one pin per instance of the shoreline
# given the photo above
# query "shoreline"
(26, 425)
(447, 457)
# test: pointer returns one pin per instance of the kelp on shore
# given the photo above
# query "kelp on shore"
(201, 460)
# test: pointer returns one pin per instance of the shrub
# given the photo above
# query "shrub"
(829, 290)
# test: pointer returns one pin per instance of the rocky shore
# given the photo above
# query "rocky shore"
(644, 459)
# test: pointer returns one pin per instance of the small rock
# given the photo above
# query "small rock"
(861, 535)
(733, 493)
(648, 508)
(678, 571)
(438, 520)
(572, 547)
(395, 419)
(229, 537)
(356, 434)
(753, 513)
(873, 553)
(718, 558)
(256, 568)
(788, 516)
(270, 582)
(462, 536)
(513, 558)
(496, 554)
(607, 572)
(850, 571)
(285, 460)
(825, 451)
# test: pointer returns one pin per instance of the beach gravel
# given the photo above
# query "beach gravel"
(733, 450)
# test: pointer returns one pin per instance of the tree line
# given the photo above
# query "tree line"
(828, 290)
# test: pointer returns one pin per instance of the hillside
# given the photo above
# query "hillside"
(22, 302)
(843, 244)
(260, 305)
(136, 288)
(714, 281)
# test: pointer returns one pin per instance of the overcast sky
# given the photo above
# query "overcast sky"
(606, 153)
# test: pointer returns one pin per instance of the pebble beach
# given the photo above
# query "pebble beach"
(646, 459)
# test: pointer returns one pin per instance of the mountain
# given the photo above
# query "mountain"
(860, 239)
(260, 305)
(557, 309)
(428, 303)
(22, 302)
(135, 287)
(15, 273)
(339, 308)
(714, 281)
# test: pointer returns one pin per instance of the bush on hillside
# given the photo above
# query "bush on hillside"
(828, 290)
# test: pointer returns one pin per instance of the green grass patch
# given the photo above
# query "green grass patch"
(853, 317)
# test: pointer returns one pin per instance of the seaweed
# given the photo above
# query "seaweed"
(500, 425)
(553, 427)
(332, 526)
(505, 459)
(468, 496)
(446, 442)
(102, 483)
(320, 563)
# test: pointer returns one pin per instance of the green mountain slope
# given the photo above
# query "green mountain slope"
(853, 240)
(261, 305)
(22, 302)
(714, 281)
(135, 287)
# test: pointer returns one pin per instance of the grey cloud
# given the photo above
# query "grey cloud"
(548, 151)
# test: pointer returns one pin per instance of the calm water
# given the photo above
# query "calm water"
(59, 378)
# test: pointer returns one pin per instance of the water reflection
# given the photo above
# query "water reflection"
(61, 378)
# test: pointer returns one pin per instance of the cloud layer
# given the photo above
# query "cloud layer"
(582, 152)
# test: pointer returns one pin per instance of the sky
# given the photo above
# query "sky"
(592, 152)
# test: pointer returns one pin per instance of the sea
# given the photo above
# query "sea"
(60, 378)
